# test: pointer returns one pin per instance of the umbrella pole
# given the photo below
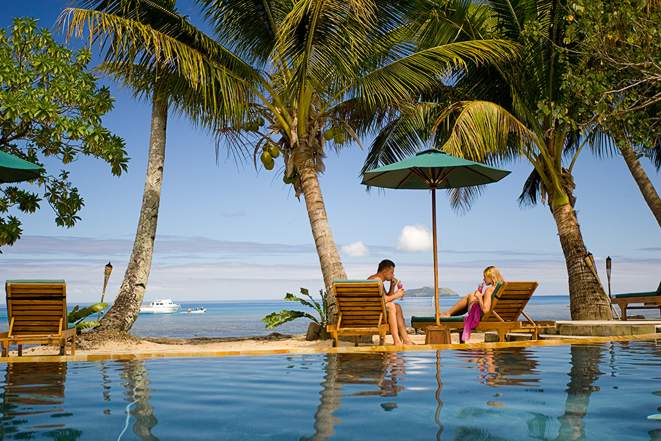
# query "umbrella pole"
(433, 221)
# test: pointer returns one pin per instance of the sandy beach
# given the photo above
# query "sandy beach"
(173, 346)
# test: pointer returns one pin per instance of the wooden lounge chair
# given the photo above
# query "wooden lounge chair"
(643, 300)
(507, 303)
(361, 310)
(37, 314)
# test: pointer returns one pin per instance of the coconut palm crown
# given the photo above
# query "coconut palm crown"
(285, 80)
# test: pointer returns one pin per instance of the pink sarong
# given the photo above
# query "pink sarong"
(471, 321)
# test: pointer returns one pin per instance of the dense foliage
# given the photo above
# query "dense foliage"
(617, 78)
(50, 113)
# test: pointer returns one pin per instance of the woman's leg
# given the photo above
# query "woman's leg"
(401, 324)
(458, 307)
(392, 321)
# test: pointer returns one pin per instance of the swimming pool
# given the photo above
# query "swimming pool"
(592, 392)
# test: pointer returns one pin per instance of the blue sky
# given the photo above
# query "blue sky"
(227, 231)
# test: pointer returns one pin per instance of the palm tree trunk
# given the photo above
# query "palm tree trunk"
(583, 375)
(329, 401)
(587, 298)
(646, 188)
(138, 392)
(329, 258)
(126, 307)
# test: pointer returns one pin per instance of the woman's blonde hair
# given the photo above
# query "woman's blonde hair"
(493, 273)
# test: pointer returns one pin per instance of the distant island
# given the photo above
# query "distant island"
(428, 291)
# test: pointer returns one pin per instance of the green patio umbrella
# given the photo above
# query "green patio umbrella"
(15, 169)
(431, 170)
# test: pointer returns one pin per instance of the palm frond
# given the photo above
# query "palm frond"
(462, 199)
(276, 319)
(440, 22)
(532, 190)
(172, 43)
(486, 132)
(512, 15)
(423, 70)
(403, 136)
(601, 143)
(654, 154)
(249, 27)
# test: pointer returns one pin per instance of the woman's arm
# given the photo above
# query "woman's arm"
(485, 300)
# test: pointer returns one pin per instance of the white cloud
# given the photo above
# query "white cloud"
(415, 238)
(355, 249)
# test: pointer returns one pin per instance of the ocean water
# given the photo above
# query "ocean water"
(243, 318)
(565, 393)
(232, 319)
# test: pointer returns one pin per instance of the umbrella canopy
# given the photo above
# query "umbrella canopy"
(15, 169)
(429, 170)
(432, 169)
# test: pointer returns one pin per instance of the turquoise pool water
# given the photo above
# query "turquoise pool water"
(584, 392)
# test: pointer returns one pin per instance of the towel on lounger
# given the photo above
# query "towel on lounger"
(471, 321)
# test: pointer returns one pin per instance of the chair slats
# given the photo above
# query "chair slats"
(361, 308)
(37, 314)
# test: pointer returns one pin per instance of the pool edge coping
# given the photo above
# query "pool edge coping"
(305, 351)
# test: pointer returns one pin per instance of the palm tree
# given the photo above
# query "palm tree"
(310, 65)
(160, 56)
(632, 158)
(497, 114)
(320, 63)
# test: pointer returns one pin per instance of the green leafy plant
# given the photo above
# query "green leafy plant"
(51, 114)
(276, 319)
(77, 316)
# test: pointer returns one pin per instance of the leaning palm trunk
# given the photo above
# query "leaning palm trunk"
(329, 258)
(126, 307)
(583, 375)
(588, 301)
(329, 401)
(138, 391)
(646, 188)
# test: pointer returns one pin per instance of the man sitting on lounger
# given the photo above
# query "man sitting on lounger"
(386, 273)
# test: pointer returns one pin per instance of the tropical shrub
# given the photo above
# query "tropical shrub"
(319, 322)
(77, 316)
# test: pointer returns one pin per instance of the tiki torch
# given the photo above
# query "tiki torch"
(608, 276)
(106, 275)
(608, 273)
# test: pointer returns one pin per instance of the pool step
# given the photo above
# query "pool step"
(586, 329)
(604, 328)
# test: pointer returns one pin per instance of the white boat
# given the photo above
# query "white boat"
(160, 306)
(200, 310)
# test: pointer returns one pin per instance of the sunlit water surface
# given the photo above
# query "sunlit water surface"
(602, 392)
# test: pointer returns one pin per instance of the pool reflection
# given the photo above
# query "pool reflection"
(495, 395)
(137, 394)
(33, 389)
(376, 374)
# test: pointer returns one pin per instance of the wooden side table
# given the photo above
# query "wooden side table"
(437, 335)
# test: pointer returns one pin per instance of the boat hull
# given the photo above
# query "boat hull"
(151, 310)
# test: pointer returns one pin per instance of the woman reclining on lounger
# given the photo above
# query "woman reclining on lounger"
(481, 296)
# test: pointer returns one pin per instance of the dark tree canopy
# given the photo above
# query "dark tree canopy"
(618, 78)
(50, 109)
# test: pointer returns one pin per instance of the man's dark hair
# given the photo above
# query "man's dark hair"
(385, 263)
